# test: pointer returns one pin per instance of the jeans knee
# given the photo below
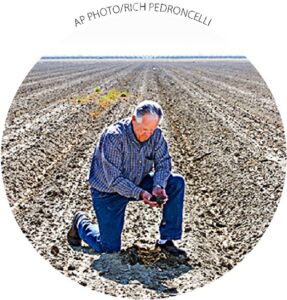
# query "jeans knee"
(177, 182)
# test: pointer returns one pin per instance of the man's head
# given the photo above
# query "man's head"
(146, 117)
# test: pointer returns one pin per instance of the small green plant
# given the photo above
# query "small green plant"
(123, 94)
(97, 89)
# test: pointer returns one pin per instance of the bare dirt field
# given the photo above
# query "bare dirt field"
(225, 136)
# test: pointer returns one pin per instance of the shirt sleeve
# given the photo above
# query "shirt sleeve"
(111, 155)
(162, 163)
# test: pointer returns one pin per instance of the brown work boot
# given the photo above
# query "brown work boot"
(73, 235)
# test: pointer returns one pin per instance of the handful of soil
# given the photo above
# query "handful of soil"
(159, 199)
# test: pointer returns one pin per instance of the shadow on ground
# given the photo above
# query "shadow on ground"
(150, 267)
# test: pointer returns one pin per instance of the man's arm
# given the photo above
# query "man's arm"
(162, 163)
(111, 155)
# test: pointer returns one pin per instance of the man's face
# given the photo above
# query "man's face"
(145, 129)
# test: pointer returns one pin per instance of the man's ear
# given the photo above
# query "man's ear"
(133, 118)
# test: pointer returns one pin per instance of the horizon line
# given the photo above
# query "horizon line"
(140, 56)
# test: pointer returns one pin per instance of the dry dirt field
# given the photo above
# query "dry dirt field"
(226, 138)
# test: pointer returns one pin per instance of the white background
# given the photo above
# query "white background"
(31, 29)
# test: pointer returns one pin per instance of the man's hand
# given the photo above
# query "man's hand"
(157, 190)
(145, 196)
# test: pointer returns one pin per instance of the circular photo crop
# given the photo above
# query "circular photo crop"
(223, 133)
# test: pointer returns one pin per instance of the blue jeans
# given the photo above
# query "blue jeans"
(110, 212)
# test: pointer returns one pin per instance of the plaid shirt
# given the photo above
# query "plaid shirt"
(120, 161)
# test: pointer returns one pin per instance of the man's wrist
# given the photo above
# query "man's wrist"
(137, 193)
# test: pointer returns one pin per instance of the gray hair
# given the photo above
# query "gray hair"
(148, 107)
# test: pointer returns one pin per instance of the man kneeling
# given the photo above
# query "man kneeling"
(120, 172)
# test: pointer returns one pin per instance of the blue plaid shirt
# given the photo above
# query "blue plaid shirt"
(120, 161)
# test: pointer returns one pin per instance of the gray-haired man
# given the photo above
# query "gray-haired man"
(120, 172)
